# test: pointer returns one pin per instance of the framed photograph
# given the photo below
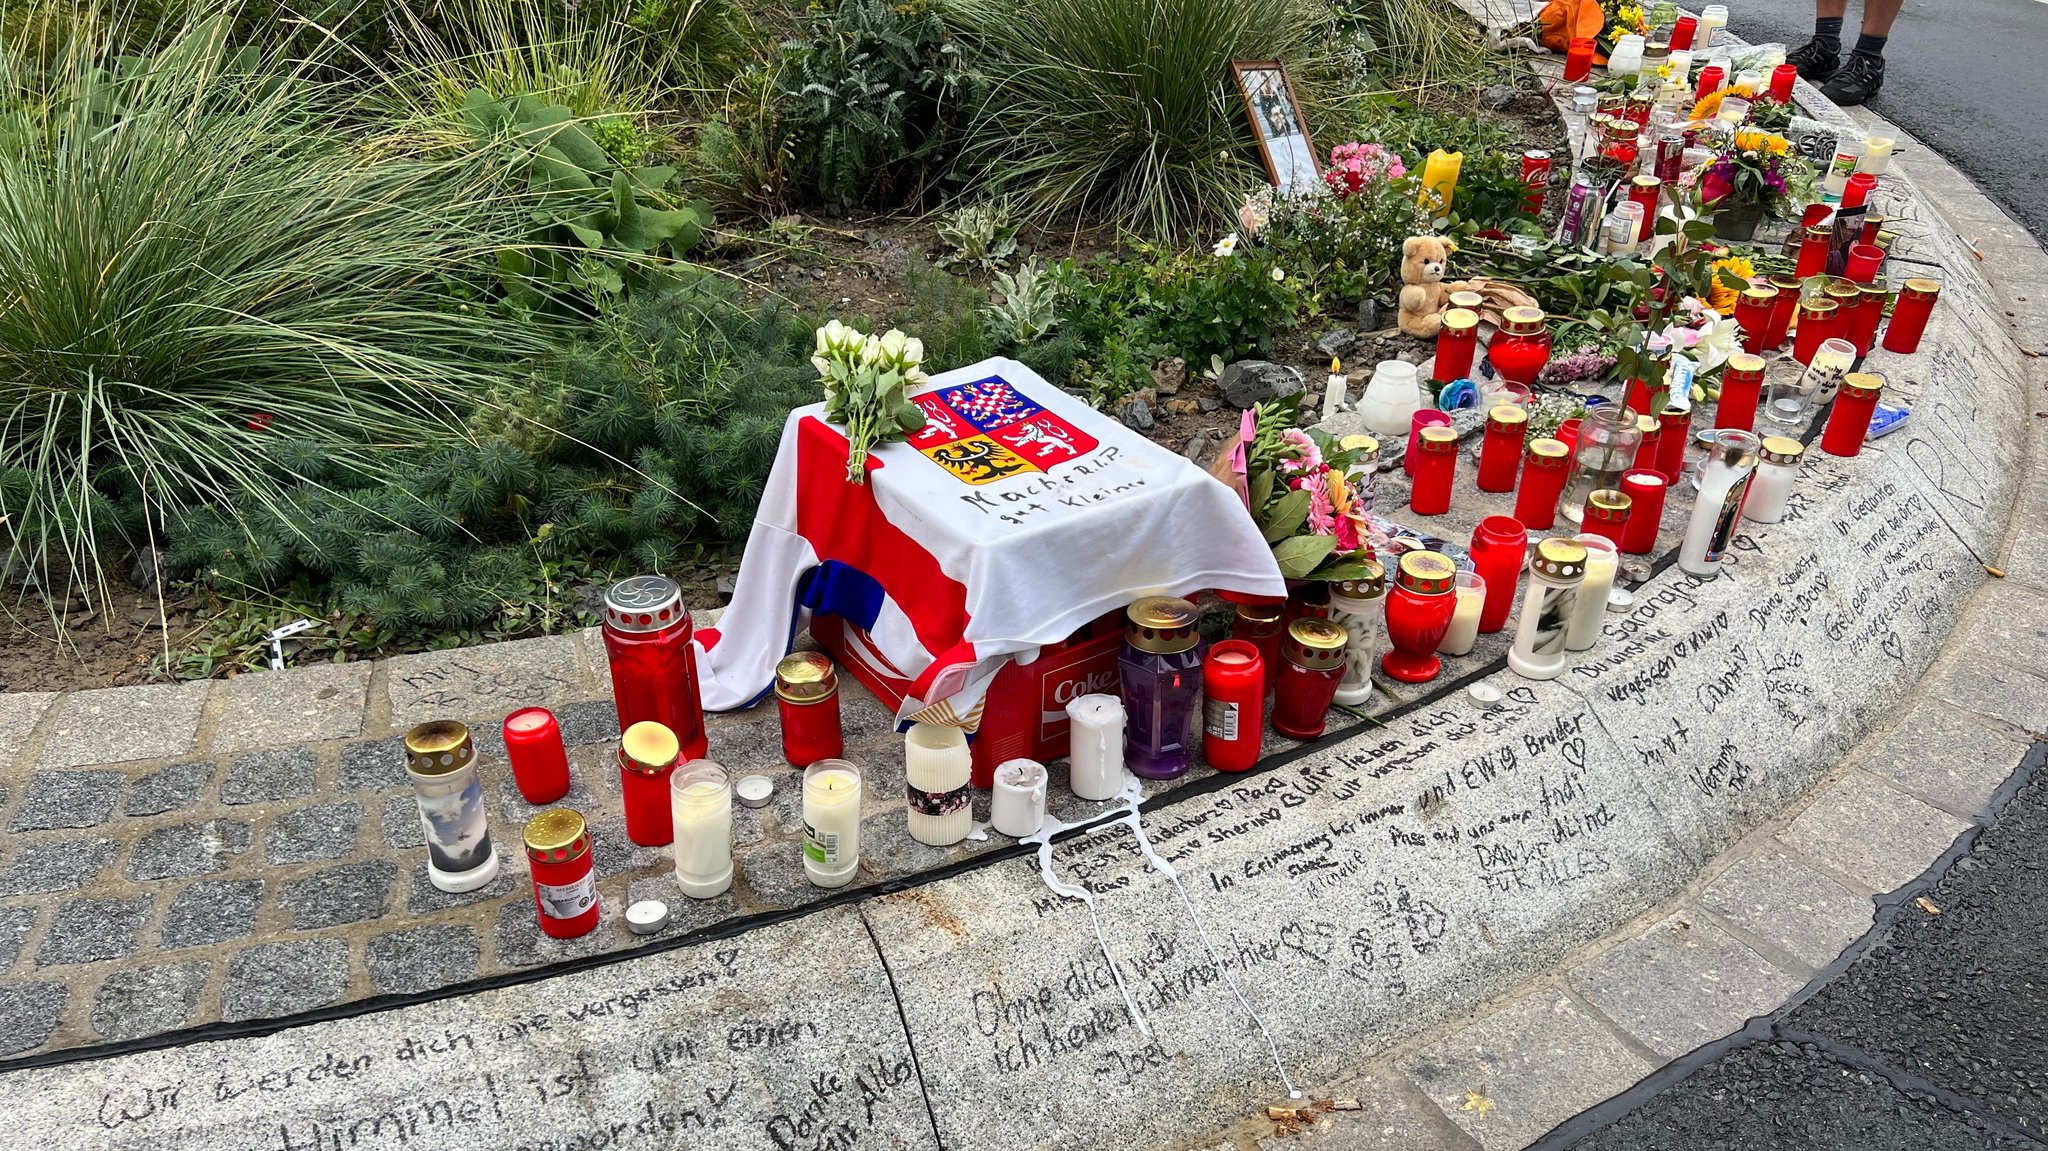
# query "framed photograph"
(1269, 100)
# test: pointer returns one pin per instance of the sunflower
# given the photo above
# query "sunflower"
(1710, 104)
(1761, 143)
(1720, 296)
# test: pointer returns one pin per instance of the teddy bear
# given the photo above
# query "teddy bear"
(1424, 259)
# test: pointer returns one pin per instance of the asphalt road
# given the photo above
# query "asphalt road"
(1965, 76)
(1935, 1038)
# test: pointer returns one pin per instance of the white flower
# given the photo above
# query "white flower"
(1227, 246)
(893, 342)
(823, 365)
(1717, 342)
(913, 352)
(1278, 275)
(871, 351)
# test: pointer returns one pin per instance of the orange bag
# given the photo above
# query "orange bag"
(1564, 20)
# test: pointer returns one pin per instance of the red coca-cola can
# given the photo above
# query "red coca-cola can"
(1535, 174)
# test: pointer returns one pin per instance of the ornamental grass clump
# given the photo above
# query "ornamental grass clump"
(194, 263)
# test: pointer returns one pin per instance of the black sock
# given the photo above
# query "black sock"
(1868, 45)
(1828, 28)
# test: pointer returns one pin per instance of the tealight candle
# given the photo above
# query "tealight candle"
(1096, 746)
(832, 790)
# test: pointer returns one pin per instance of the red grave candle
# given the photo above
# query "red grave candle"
(1578, 59)
(1521, 347)
(1607, 513)
(1849, 419)
(1637, 397)
(1500, 546)
(1682, 33)
(1782, 79)
(1419, 611)
(807, 696)
(1856, 192)
(1742, 386)
(1456, 342)
(1674, 428)
(540, 764)
(1543, 474)
(647, 757)
(1258, 624)
(1500, 452)
(1872, 225)
(1909, 315)
(1645, 491)
(564, 874)
(1652, 433)
(1866, 316)
(1645, 190)
(1863, 262)
(1818, 323)
(1435, 467)
(647, 634)
(1426, 418)
(1311, 666)
(1710, 82)
(1234, 705)
(1753, 315)
(1814, 243)
(1781, 312)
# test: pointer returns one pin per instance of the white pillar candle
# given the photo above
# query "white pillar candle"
(1877, 156)
(831, 822)
(937, 766)
(1603, 560)
(1464, 631)
(1017, 807)
(700, 802)
(1333, 392)
(1096, 746)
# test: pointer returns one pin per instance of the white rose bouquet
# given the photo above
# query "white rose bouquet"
(866, 378)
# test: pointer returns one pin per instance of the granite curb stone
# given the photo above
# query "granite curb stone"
(123, 724)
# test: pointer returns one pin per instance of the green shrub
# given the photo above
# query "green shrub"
(873, 98)
(634, 448)
(1416, 43)
(194, 262)
(1128, 108)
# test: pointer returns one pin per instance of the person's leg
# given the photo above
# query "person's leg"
(1862, 74)
(1818, 58)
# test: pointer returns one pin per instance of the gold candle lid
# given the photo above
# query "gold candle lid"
(1315, 644)
(1461, 319)
(1559, 559)
(1548, 453)
(438, 747)
(649, 748)
(1784, 281)
(1469, 300)
(1782, 450)
(1647, 424)
(1646, 183)
(1607, 504)
(805, 677)
(1840, 290)
(1745, 363)
(1523, 321)
(1817, 307)
(1507, 415)
(1862, 385)
(1438, 438)
(1760, 295)
(1161, 625)
(1368, 586)
(556, 836)
(1359, 443)
(1922, 288)
(1426, 573)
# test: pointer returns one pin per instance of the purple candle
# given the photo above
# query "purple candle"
(1161, 669)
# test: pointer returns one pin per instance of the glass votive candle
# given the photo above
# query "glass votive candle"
(831, 813)
(1910, 314)
(700, 801)
(1788, 399)
(1469, 588)
(1753, 315)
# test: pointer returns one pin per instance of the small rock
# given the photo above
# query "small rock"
(1169, 376)
(1136, 414)
(1344, 424)
(145, 568)
(1200, 443)
(1182, 407)
(1246, 382)
(1368, 314)
(1498, 96)
(1415, 355)
(1312, 398)
(1338, 342)
(728, 583)
(1209, 403)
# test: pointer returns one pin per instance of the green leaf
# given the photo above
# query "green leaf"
(1261, 489)
(909, 417)
(1299, 555)
(1287, 516)
(1341, 568)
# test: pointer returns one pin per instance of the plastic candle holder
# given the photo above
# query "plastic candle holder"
(1782, 78)
(1856, 191)
(831, 813)
(1607, 512)
(1866, 316)
(564, 875)
(1849, 419)
(1435, 467)
(440, 763)
(1419, 611)
(1522, 345)
(1603, 563)
(1724, 481)
(647, 757)
(1818, 323)
(1544, 470)
(1425, 418)
(1500, 545)
(700, 804)
(1910, 314)
(1312, 664)
(1578, 59)
(1753, 315)
(1645, 491)
(1674, 424)
(1644, 191)
(1500, 451)
(1652, 434)
(1233, 705)
(807, 696)
(1814, 244)
(1776, 470)
(647, 633)
(1864, 260)
(540, 764)
(1456, 342)
(1359, 606)
(1788, 400)
(1711, 78)
(1470, 592)
(1781, 311)
(1555, 572)
(1259, 625)
(1742, 386)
